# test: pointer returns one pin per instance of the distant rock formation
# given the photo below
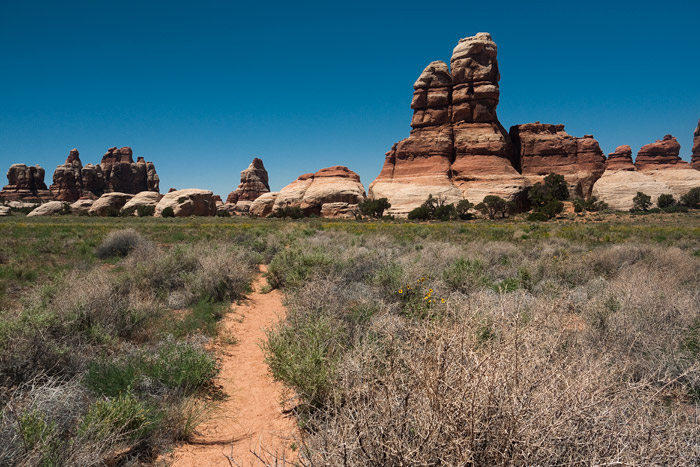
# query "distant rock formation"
(254, 183)
(541, 149)
(122, 174)
(658, 170)
(188, 202)
(25, 183)
(457, 147)
(47, 209)
(109, 204)
(333, 191)
(695, 158)
(116, 173)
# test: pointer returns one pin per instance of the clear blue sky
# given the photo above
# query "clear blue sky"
(200, 88)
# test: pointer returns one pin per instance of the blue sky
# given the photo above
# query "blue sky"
(200, 88)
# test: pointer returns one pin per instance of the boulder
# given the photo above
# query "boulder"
(618, 187)
(143, 199)
(457, 147)
(542, 149)
(5, 211)
(330, 185)
(254, 183)
(47, 209)
(262, 206)
(188, 202)
(109, 203)
(25, 183)
(82, 205)
(695, 158)
(340, 210)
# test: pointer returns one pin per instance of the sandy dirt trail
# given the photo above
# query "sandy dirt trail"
(251, 419)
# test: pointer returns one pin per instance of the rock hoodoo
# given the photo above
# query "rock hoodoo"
(663, 152)
(695, 158)
(332, 192)
(68, 179)
(542, 149)
(621, 159)
(25, 183)
(457, 147)
(254, 182)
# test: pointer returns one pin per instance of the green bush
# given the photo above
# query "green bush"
(374, 207)
(421, 213)
(289, 212)
(692, 198)
(464, 274)
(641, 202)
(145, 210)
(666, 200)
(492, 206)
(292, 267)
(167, 212)
(223, 213)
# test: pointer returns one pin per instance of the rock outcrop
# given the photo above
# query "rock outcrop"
(254, 183)
(5, 211)
(457, 147)
(188, 202)
(311, 192)
(658, 170)
(83, 205)
(47, 209)
(695, 158)
(141, 200)
(109, 204)
(25, 183)
(122, 174)
(67, 179)
(262, 207)
(541, 149)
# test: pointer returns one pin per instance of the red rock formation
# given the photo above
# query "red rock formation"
(695, 158)
(621, 159)
(457, 147)
(67, 179)
(663, 152)
(544, 148)
(254, 183)
(122, 174)
(25, 183)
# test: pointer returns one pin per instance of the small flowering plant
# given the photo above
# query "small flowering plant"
(418, 299)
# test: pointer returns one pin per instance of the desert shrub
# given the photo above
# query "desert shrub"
(222, 213)
(112, 211)
(374, 207)
(304, 354)
(463, 207)
(546, 197)
(464, 274)
(692, 198)
(641, 202)
(119, 243)
(665, 200)
(676, 208)
(167, 212)
(292, 267)
(145, 211)
(436, 208)
(421, 213)
(119, 419)
(590, 204)
(537, 216)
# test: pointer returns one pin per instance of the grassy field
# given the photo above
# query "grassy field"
(457, 343)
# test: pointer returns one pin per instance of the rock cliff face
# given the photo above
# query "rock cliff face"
(332, 192)
(254, 183)
(25, 183)
(542, 149)
(68, 180)
(695, 158)
(658, 170)
(457, 147)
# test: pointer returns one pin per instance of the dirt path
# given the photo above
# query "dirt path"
(251, 419)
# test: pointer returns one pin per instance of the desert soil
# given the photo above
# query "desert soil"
(251, 421)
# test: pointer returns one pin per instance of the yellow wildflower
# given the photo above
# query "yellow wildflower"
(430, 290)
(442, 300)
(400, 290)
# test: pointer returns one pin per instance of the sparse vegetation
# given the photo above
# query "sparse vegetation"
(642, 202)
(374, 207)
